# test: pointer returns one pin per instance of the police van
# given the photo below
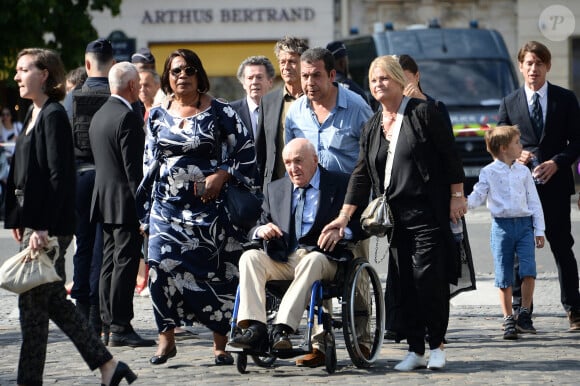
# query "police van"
(468, 69)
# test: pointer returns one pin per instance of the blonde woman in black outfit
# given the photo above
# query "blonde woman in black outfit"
(39, 204)
(425, 191)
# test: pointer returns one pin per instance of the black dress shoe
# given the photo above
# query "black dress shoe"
(130, 338)
(280, 340)
(251, 336)
(122, 371)
(161, 359)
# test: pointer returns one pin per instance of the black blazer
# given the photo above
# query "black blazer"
(117, 142)
(425, 130)
(49, 192)
(269, 128)
(277, 208)
(241, 107)
(435, 157)
(561, 136)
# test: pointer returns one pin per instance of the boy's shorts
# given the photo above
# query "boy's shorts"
(509, 237)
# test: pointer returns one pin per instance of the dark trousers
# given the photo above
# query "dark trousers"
(556, 208)
(121, 254)
(88, 257)
(417, 287)
(48, 302)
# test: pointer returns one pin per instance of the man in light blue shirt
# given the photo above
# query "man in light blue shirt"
(330, 116)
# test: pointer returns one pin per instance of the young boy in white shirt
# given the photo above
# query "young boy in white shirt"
(517, 222)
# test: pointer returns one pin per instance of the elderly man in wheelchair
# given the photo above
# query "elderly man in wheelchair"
(295, 210)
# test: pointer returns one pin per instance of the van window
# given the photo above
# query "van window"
(466, 82)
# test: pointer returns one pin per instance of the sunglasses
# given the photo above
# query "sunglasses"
(189, 71)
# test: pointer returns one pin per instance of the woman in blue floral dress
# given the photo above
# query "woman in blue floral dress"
(199, 144)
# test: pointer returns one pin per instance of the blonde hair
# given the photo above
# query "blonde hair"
(500, 136)
(389, 64)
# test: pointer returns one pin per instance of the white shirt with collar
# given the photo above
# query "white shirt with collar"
(510, 192)
(125, 101)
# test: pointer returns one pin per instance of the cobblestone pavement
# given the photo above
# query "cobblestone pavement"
(476, 352)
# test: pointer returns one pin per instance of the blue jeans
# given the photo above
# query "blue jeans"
(511, 236)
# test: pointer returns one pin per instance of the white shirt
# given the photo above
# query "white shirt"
(510, 192)
(125, 101)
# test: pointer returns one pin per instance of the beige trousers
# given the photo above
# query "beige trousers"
(256, 268)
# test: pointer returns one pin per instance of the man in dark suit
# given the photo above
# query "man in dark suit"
(256, 74)
(295, 252)
(117, 141)
(273, 107)
(547, 116)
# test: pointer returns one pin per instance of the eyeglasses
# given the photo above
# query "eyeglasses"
(189, 71)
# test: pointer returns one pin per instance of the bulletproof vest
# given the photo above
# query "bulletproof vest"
(86, 102)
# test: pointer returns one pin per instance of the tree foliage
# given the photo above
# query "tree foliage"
(63, 25)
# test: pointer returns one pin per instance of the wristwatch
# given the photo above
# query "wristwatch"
(457, 194)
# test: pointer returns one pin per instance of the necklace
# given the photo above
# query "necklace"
(389, 117)
(388, 120)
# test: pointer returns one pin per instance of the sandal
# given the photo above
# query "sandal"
(224, 360)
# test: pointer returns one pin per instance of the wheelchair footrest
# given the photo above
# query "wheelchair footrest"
(285, 354)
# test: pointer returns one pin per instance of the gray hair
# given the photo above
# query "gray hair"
(290, 44)
(256, 61)
(120, 75)
(156, 77)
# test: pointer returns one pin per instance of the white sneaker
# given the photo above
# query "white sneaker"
(411, 362)
(436, 359)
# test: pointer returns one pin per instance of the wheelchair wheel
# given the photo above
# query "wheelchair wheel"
(363, 313)
(242, 363)
(265, 362)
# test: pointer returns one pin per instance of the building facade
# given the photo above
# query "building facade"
(224, 32)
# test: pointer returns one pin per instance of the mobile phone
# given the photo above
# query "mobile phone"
(199, 188)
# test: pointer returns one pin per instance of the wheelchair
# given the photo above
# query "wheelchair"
(358, 290)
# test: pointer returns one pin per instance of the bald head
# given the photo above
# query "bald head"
(300, 161)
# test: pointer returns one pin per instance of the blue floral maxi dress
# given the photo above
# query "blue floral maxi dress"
(193, 247)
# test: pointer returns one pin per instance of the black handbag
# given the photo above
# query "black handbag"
(244, 206)
(377, 219)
